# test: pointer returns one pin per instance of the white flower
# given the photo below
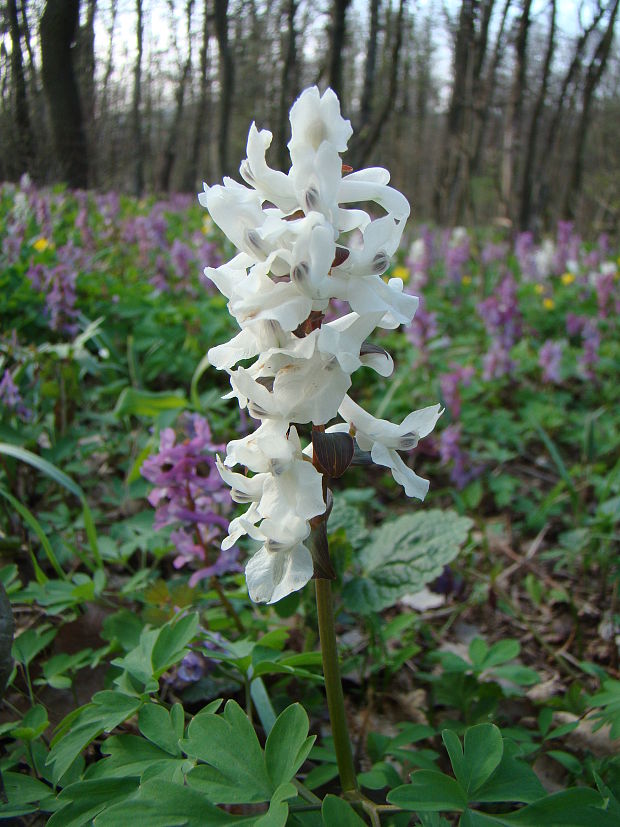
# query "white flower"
(302, 242)
(384, 439)
(272, 575)
(316, 118)
(272, 185)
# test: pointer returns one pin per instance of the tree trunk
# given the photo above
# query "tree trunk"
(193, 170)
(170, 151)
(58, 29)
(227, 83)
(446, 189)
(369, 136)
(593, 76)
(87, 78)
(526, 205)
(370, 66)
(138, 141)
(24, 154)
(336, 44)
(289, 84)
(542, 188)
(512, 128)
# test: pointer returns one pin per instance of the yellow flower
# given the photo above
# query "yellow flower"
(401, 272)
(207, 225)
(568, 278)
(539, 289)
(41, 244)
(466, 280)
(548, 303)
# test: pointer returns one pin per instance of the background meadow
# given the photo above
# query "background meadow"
(130, 620)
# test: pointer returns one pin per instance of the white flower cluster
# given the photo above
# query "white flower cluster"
(302, 245)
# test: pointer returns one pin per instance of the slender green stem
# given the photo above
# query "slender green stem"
(333, 685)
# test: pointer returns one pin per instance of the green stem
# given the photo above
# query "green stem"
(333, 685)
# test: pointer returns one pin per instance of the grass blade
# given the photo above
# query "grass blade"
(66, 482)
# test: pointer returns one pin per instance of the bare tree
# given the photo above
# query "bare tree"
(58, 29)
(170, 152)
(24, 145)
(136, 122)
(525, 195)
(337, 38)
(201, 117)
(512, 123)
(594, 73)
(227, 83)
(369, 134)
(454, 141)
(289, 84)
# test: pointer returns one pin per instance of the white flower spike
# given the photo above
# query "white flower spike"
(302, 243)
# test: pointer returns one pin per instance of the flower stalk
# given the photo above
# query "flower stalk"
(333, 685)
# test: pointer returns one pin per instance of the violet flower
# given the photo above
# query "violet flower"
(190, 495)
(502, 319)
(550, 360)
(451, 383)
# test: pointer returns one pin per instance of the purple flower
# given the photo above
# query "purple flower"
(423, 327)
(451, 383)
(9, 392)
(502, 319)
(191, 668)
(550, 360)
(451, 453)
(493, 252)
(567, 246)
(604, 284)
(456, 252)
(183, 259)
(11, 397)
(524, 251)
(591, 342)
(575, 324)
(190, 495)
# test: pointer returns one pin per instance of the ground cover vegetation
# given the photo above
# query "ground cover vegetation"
(478, 632)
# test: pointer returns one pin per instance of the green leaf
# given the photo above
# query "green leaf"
(402, 556)
(428, 791)
(23, 793)
(568, 761)
(220, 741)
(478, 651)
(288, 745)
(65, 481)
(172, 641)
(609, 699)
(84, 800)
(28, 645)
(155, 724)
(335, 811)
(148, 403)
(500, 652)
(346, 517)
(455, 751)
(513, 780)
(130, 755)
(33, 724)
(575, 807)
(107, 710)
(381, 775)
(557, 459)
(138, 661)
(483, 750)
(30, 520)
(165, 804)
(198, 372)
